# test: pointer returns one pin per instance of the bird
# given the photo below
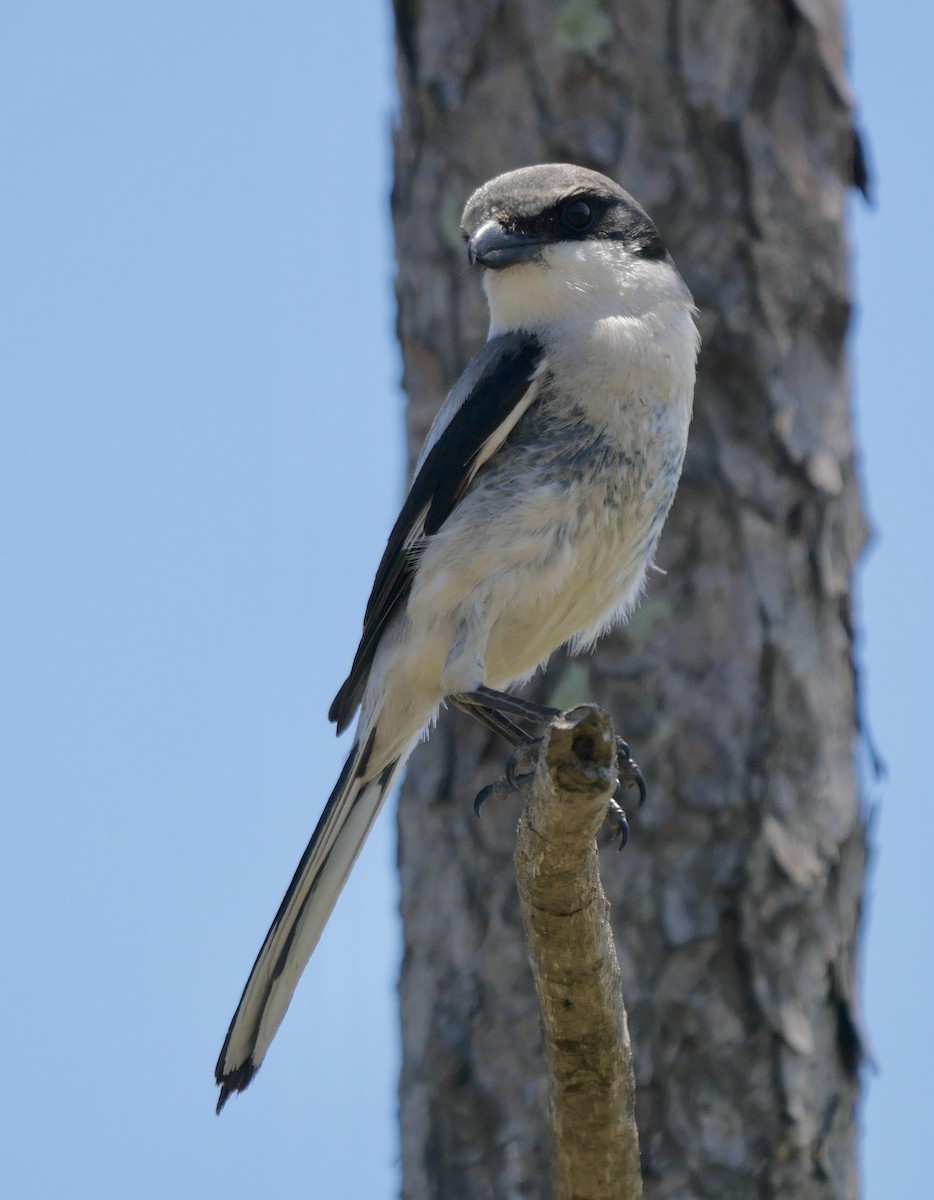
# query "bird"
(532, 518)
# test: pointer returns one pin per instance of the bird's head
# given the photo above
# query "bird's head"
(561, 243)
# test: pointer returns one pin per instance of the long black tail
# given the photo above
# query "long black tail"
(302, 915)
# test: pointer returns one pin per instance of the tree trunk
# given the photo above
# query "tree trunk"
(736, 905)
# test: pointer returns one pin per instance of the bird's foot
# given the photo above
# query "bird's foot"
(629, 776)
(512, 706)
(616, 819)
(629, 773)
(519, 764)
(522, 761)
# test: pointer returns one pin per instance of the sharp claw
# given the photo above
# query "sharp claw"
(483, 795)
(639, 780)
(518, 766)
(617, 818)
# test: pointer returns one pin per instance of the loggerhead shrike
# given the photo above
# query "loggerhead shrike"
(536, 506)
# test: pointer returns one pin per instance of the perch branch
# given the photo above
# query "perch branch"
(595, 1142)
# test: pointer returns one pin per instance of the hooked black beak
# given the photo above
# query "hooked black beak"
(491, 246)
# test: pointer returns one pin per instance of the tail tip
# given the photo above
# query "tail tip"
(233, 1081)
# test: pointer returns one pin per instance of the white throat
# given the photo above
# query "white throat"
(581, 282)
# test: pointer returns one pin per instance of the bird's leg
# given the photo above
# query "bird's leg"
(525, 748)
(513, 706)
(481, 705)
(495, 721)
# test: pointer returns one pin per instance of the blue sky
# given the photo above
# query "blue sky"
(199, 467)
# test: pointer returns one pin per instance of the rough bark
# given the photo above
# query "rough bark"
(736, 905)
(565, 915)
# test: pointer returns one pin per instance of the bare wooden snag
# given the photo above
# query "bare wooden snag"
(566, 916)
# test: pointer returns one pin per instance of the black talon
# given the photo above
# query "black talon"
(616, 817)
(482, 796)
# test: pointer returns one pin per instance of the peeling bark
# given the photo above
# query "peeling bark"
(736, 906)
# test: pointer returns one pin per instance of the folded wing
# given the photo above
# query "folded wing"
(471, 426)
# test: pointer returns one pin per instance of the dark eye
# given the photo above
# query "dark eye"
(578, 215)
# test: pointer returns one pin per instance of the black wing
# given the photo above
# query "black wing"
(490, 407)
